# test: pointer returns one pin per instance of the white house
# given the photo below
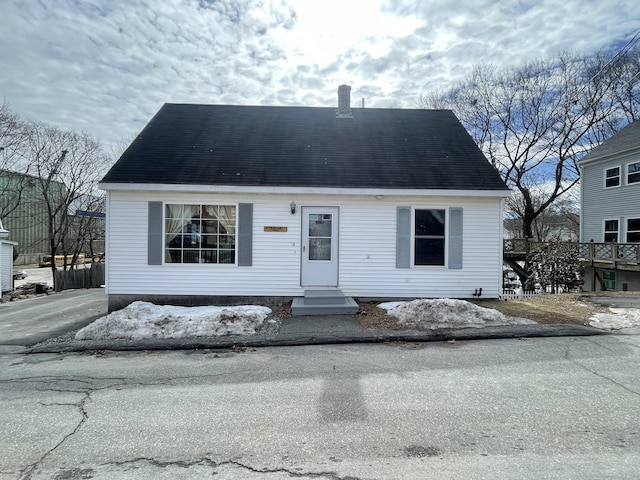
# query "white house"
(6, 261)
(220, 204)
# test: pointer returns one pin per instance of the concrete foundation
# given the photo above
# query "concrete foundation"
(118, 302)
(603, 279)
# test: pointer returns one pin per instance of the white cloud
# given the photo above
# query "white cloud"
(105, 67)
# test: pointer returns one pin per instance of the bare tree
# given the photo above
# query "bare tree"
(559, 222)
(88, 225)
(535, 122)
(67, 167)
(12, 139)
(624, 70)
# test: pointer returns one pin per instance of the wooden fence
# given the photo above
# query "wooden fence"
(613, 253)
(92, 276)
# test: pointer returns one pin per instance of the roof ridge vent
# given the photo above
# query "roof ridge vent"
(344, 102)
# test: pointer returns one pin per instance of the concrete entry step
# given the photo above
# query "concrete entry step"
(323, 297)
(323, 302)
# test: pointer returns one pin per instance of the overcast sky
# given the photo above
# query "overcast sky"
(105, 67)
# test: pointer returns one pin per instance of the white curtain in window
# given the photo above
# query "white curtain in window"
(228, 219)
(176, 217)
(226, 216)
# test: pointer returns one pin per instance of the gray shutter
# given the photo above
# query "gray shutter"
(154, 234)
(403, 237)
(245, 234)
(455, 238)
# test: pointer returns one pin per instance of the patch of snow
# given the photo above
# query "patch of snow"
(388, 306)
(142, 320)
(447, 313)
(618, 319)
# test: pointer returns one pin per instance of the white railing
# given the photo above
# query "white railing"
(519, 294)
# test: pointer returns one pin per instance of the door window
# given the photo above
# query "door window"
(320, 236)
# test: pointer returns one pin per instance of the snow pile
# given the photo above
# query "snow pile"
(447, 313)
(618, 319)
(142, 320)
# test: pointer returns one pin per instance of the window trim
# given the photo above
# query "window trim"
(235, 205)
(626, 233)
(604, 231)
(619, 177)
(609, 278)
(627, 174)
(445, 237)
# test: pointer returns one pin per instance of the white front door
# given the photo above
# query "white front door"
(319, 247)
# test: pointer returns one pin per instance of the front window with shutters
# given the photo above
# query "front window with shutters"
(429, 237)
(200, 233)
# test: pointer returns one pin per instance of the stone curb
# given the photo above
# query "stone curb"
(323, 338)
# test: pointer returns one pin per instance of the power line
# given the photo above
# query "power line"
(620, 53)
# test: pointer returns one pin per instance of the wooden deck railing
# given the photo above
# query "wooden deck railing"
(614, 253)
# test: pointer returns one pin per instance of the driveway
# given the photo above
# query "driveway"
(33, 320)
(616, 301)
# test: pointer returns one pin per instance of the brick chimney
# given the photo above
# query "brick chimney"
(344, 102)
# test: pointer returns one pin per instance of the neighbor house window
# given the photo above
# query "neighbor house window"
(612, 177)
(611, 231)
(200, 233)
(633, 173)
(633, 230)
(609, 278)
(429, 237)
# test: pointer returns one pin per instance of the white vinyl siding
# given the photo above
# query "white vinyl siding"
(369, 270)
(6, 266)
(367, 249)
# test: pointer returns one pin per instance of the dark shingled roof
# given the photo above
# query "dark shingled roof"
(305, 147)
(626, 139)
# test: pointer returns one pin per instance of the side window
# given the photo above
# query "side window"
(612, 177)
(609, 278)
(429, 237)
(200, 233)
(633, 173)
(611, 231)
(633, 230)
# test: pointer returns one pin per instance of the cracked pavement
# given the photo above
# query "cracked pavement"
(561, 407)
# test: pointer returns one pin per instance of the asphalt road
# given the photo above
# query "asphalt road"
(29, 321)
(539, 408)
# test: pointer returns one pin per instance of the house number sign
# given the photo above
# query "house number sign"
(276, 229)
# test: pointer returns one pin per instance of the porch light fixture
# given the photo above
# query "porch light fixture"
(293, 208)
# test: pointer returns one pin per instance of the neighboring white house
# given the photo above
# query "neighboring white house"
(221, 204)
(610, 210)
(6, 261)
